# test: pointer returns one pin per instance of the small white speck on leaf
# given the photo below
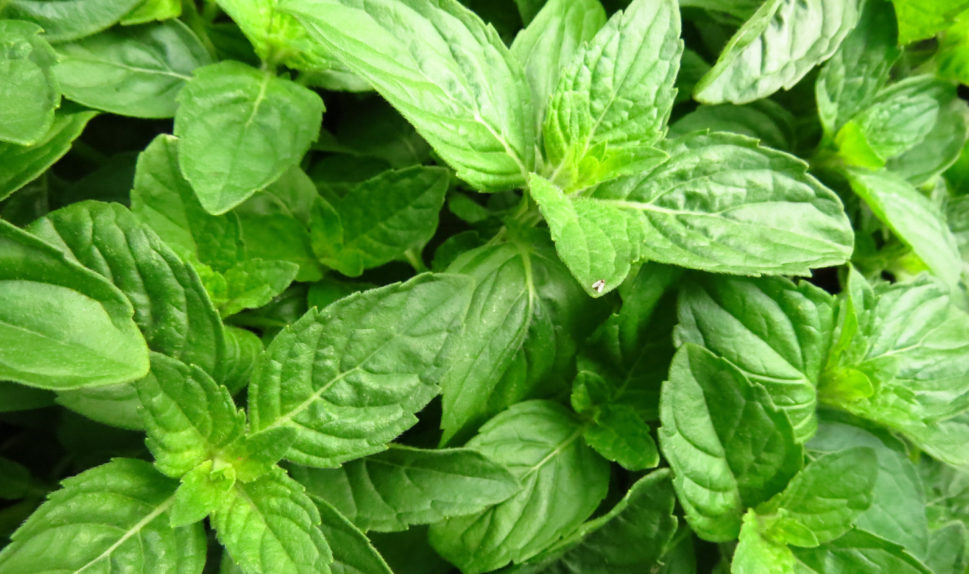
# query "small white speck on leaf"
(599, 285)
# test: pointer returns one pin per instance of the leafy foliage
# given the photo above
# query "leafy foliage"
(554, 286)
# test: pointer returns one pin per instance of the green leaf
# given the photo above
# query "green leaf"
(111, 516)
(765, 120)
(550, 41)
(631, 537)
(729, 447)
(113, 405)
(898, 507)
(27, 86)
(15, 397)
(152, 10)
(947, 551)
(860, 67)
(757, 555)
(171, 307)
(539, 442)
(522, 329)
(62, 326)
(777, 47)
(403, 486)
(276, 36)
(201, 492)
(270, 525)
(64, 20)
(165, 201)
(224, 115)
(242, 349)
(19, 165)
(131, 71)
(776, 332)
(617, 93)
(352, 551)
(189, 417)
(15, 480)
(902, 115)
(350, 377)
(919, 20)
(763, 215)
(859, 551)
(445, 71)
(252, 283)
(380, 219)
(940, 148)
(913, 218)
(953, 54)
(621, 435)
(822, 502)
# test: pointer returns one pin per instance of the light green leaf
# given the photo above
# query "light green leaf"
(276, 36)
(252, 283)
(777, 333)
(350, 377)
(380, 219)
(242, 349)
(27, 87)
(616, 95)
(352, 551)
(403, 486)
(765, 120)
(172, 308)
(64, 20)
(859, 551)
(165, 201)
(61, 325)
(719, 472)
(632, 537)
(270, 525)
(550, 41)
(947, 552)
(777, 47)
(189, 417)
(953, 54)
(902, 115)
(918, 20)
(757, 555)
(445, 71)
(859, 68)
(898, 507)
(522, 329)
(822, 502)
(131, 71)
(19, 165)
(152, 10)
(540, 443)
(913, 218)
(621, 435)
(947, 441)
(111, 516)
(113, 405)
(940, 148)
(201, 492)
(239, 129)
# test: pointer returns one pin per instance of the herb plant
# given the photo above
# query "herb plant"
(424, 286)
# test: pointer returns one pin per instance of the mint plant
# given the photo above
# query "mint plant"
(401, 286)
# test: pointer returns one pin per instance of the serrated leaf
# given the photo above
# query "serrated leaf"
(540, 443)
(171, 307)
(633, 536)
(27, 86)
(270, 525)
(131, 71)
(353, 553)
(617, 93)
(729, 447)
(380, 219)
(202, 491)
(776, 332)
(756, 555)
(550, 41)
(61, 325)
(64, 20)
(114, 515)
(859, 551)
(224, 116)
(404, 486)
(445, 71)
(350, 377)
(252, 283)
(189, 417)
(19, 165)
(914, 218)
(859, 68)
(815, 509)
(777, 47)
(525, 320)
(620, 435)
